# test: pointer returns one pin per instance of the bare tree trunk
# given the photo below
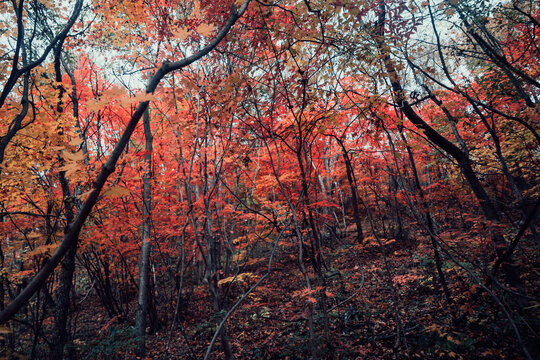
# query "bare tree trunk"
(489, 210)
(429, 220)
(146, 247)
(212, 244)
(317, 258)
(60, 333)
(354, 192)
(275, 169)
(496, 141)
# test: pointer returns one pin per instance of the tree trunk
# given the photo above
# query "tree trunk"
(60, 333)
(146, 247)
(429, 221)
(107, 169)
(488, 209)
(354, 192)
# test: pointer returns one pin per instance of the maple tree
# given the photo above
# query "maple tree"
(259, 179)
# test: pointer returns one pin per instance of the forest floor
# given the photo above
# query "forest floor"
(374, 310)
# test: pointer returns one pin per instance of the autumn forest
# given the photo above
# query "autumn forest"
(269, 179)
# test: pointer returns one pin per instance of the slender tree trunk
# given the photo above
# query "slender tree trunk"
(488, 209)
(354, 192)
(496, 141)
(317, 260)
(146, 247)
(60, 333)
(429, 221)
(275, 169)
(214, 254)
(505, 169)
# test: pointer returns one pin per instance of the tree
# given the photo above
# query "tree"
(75, 227)
(23, 50)
(331, 181)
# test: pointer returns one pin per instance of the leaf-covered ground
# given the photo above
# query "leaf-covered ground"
(374, 310)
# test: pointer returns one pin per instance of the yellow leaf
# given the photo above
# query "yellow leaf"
(113, 93)
(43, 249)
(70, 168)
(226, 280)
(137, 98)
(181, 34)
(118, 191)
(84, 194)
(253, 261)
(76, 141)
(95, 105)
(5, 330)
(34, 235)
(205, 29)
(78, 156)
(105, 99)
(144, 97)
(240, 278)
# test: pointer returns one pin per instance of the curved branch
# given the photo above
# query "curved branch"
(17, 73)
(72, 233)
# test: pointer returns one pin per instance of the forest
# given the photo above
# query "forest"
(269, 179)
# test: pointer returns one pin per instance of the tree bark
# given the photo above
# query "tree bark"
(60, 333)
(354, 192)
(429, 222)
(146, 247)
(488, 209)
(72, 234)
